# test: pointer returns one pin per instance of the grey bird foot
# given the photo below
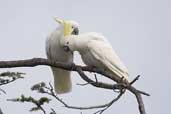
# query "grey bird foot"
(73, 66)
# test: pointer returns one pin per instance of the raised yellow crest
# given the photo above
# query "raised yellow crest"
(68, 28)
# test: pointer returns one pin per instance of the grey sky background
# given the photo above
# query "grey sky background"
(139, 31)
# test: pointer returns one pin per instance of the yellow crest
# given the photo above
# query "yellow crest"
(60, 21)
(67, 26)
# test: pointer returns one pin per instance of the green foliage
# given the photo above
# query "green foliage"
(8, 77)
(12, 74)
(38, 102)
(40, 87)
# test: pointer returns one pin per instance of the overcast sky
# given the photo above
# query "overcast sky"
(139, 31)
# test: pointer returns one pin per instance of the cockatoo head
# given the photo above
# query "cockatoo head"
(70, 27)
(68, 43)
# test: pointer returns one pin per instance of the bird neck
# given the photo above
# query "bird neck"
(74, 43)
(78, 43)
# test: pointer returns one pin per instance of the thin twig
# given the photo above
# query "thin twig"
(53, 111)
(110, 103)
(84, 84)
(51, 93)
(95, 78)
(3, 91)
(135, 79)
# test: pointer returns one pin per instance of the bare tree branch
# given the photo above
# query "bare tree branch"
(1, 111)
(50, 91)
(121, 84)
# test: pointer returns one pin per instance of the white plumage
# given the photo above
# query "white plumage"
(54, 52)
(96, 51)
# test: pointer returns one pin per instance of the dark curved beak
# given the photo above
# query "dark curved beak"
(66, 48)
(75, 31)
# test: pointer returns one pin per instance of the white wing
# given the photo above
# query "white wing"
(104, 53)
(54, 52)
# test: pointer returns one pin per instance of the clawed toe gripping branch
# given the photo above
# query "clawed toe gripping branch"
(120, 85)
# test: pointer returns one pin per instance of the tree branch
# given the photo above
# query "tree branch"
(50, 91)
(121, 84)
(42, 88)
(41, 61)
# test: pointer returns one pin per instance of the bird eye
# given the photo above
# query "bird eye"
(72, 27)
(67, 42)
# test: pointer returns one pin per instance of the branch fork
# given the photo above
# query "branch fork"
(120, 83)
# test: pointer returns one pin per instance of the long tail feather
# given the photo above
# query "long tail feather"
(62, 80)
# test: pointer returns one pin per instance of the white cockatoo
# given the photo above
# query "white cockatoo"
(54, 52)
(97, 52)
